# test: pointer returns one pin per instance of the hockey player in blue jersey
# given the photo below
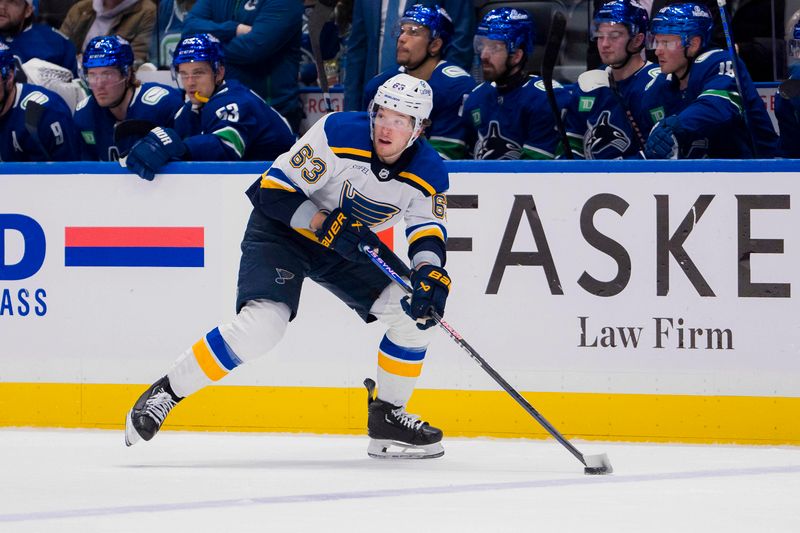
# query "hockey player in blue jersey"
(423, 36)
(350, 176)
(508, 115)
(699, 112)
(222, 120)
(604, 114)
(28, 40)
(35, 123)
(787, 110)
(116, 96)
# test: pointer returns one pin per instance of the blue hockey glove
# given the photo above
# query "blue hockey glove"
(662, 142)
(346, 234)
(430, 285)
(153, 151)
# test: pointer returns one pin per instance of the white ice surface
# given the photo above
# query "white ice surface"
(88, 481)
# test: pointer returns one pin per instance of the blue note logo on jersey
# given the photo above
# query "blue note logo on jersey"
(603, 135)
(495, 146)
(367, 210)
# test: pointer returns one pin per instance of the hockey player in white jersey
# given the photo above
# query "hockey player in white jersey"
(350, 176)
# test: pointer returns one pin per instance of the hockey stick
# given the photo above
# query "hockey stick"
(640, 142)
(130, 131)
(593, 464)
(33, 116)
(557, 28)
(723, 15)
(316, 21)
(789, 89)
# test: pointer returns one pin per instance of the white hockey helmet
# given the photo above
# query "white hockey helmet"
(405, 94)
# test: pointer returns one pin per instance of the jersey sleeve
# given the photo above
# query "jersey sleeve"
(542, 137)
(447, 134)
(56, 131)
(788, 114)
(575, 123)
(282, 192)
(426, 216)
(229, 125)
(718, 102)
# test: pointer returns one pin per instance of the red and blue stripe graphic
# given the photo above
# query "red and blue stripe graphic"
(133, 246)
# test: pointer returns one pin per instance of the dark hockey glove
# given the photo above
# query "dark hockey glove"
(345, 235)
(662, 142)
(430, 287)
(153, 151)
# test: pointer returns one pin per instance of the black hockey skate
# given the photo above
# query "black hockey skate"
(396, 434)
(148, 413)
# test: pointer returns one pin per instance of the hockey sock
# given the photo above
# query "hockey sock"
(398, 370)
(255, 331)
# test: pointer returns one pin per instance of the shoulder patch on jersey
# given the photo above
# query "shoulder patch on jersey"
(88, 137)
(585, 103)
(35, 96)
(454, 71)
(153, 95)
(539, 84)
(702, 57)
(82, 104)
(657, 114)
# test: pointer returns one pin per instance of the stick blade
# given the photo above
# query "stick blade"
(597, 465)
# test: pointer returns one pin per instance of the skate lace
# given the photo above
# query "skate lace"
(406, 419)
(159, 405)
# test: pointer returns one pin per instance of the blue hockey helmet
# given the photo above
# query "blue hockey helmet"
(794, 42)
(687, 20)
(198, 48)
(108, 51)
(434, 18)
(7, 62)
(631, 15)
(513, 26)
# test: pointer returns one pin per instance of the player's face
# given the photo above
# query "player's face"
(612, 41)
(494, 57)
(391, 132)
(670, 54)
(107, 85)
(412, 44)
(198, 78)
(13, 13)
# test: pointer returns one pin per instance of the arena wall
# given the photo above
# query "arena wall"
(640, 300)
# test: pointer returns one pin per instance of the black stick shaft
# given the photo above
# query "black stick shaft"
(552, 48)
(394, 276)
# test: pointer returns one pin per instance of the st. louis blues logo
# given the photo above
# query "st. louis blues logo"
(367, 210)
(494, 146)
(603, 135)
(283, 276)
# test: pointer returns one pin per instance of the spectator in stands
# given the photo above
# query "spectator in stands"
(118, 96)
(133, 20)
(424, 34)
(699, 112)
(787, 110)
(508, 115)
(222, 121)
(169, 27)
(370, 49)
(603, 117)
(35, 123)
(28, 40)
(261, 41)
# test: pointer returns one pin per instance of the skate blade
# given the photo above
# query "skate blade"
(390, 449)
(131, 435)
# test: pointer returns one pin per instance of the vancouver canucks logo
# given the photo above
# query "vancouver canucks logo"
(603, 135)
(250, 5)
(367, 210)
(494, 146)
